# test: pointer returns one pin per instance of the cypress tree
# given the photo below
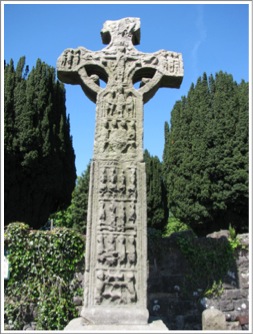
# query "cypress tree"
(42, 175)
(75, 216)
(206, 155)
(80, 201)
(157, 212)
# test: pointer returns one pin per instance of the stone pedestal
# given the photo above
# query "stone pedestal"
(79, 324)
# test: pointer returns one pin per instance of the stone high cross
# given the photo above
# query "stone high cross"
(115, 287)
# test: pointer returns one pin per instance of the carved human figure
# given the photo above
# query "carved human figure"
(132, 183)
(122, 137)
(102, 216)
(118, 137)
(132, 214)
(129, 105)
(121, 220)
(120, 102)
(76, 58)
(121, 248)
(100, 248)
(103, 136)
(176, 66)
(116, 292)
(122, 183)
(70, 58)
(64, 58)
(120, 65)
(113, 136)
(112, 184)
(112, 215)
(132, 136)
(131, 251)
(100, 285)
(130, 285)
(103, 182)
(110, 250)
(109, 104)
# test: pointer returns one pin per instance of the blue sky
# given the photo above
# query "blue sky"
(211, 37)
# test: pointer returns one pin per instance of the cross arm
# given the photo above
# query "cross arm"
(82, 67)
(159, 69)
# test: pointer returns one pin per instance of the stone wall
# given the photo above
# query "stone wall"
(171, 296)
(170, 291)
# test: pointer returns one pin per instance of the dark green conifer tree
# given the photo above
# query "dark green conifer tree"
(75, 216)
(39, 157)
(157, 212)
(206, 155)
(80, 201)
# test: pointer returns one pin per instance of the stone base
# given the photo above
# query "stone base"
(115, 315)
(80, 324)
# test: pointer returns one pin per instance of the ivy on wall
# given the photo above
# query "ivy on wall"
(209, 261)
(42, 268)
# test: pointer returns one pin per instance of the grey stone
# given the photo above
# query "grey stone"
(233, 326)
(79, 324)
(233, 294)
(213, 319)
(115, 281)
(28, 327)
(219, 234)
(244, 239)
(226, 305)
(241, 305)
(244, 280)
(77, 300)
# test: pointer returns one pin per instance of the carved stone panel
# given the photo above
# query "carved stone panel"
(118, 183)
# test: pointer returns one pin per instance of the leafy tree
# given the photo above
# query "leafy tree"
(206, 155)
(39, 157)
(157, 212)
(174, 225)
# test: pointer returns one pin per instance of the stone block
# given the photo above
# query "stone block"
(233, 326)
(244, 280)
(213, 319)
(233, 294)
(241, 305)
(79, 324)
(226, 305)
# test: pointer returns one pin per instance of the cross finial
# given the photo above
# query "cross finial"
(125, 32)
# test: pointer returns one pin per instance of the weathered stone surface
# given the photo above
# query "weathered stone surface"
(233, 326)
(213, 319)
(77, 300)
(79, 324)
(233, 294)
(219, 234)
(115, 283)
(226, 305)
